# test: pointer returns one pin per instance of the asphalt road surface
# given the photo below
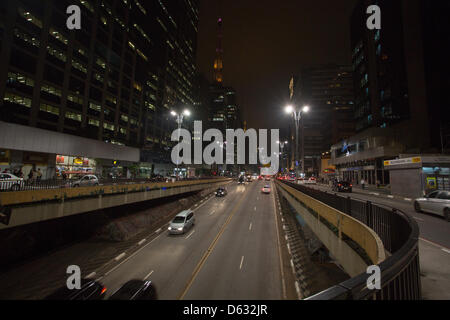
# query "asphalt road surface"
(433, 228)
(230, 253)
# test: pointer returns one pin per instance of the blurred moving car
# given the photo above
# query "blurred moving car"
(85, 181)
(311, 180)
(90, 290)
(266, 189)
(182, 222)
(135, 290)
(267, 178)
(10, 182)
(221, 192)
(241, 180)
(342, 186)
(437, 202)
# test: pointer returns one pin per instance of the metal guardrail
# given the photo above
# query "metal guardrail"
(27, 185)
(57, 194)
(400, 272)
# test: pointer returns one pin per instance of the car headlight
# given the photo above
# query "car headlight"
(179, 229)
(170, 228)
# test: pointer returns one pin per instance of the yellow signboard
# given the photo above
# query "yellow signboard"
(431, 182)
(402, 161)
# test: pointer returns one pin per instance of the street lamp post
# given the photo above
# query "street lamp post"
(282, 144)
(297, 117)
(179, 120)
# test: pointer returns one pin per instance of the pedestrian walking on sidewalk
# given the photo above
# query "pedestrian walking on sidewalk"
(362, 183)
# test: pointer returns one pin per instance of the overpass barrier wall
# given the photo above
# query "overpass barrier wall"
(334, 229)
(399, 233)
(24, 207)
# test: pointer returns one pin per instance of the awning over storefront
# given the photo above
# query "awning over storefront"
(24, 138)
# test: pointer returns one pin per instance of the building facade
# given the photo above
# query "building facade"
(328, 91)
(113, 81)
(401, 105)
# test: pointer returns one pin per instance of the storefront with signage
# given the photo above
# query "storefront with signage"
(419, 175)
(74, 166)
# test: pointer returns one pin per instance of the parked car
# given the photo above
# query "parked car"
(342, 186)
(86, 181)
(221, 192)
(182, 222)
(266, 189)
(9, 182)
(90, 290)
(135, 290)
(437, 202)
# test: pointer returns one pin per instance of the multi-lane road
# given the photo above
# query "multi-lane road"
(232, 252)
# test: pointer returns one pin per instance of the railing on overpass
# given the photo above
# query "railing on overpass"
(33, 184)
(400, 271)
(114, 187)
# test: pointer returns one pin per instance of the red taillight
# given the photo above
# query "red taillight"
(340, 185)
(103, 290)
(351, 185)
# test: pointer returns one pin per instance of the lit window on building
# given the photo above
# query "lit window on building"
(58, 35)
(13, 98)
(51, 90)
(30, 18)
(27, 38)
(56, 53)
(49, 109)
(14, 77)
(73, 116)
(94, 122)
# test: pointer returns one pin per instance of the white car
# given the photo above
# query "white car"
(9, 182)
(437, 202)
(266, 189)
(85, 181)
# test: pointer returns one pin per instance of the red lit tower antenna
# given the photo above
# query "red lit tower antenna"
(218, 62)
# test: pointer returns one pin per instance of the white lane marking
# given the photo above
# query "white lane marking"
(374, 193)
(120, 256)
(435, 244)
(190, 234)
(158, 230)
(146, 277)
(408, 199)
(91, 275)
(242, 260)
(141, 242)
(212, 212)
(129, 257)
(250, 227)
(201, 204)
(255, 208)
(390, 197)
(446, 250)
(418, 219)
(257, 198)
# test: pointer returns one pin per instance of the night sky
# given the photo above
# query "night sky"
(265, 42)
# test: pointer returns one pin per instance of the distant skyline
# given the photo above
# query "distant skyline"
(266, 42)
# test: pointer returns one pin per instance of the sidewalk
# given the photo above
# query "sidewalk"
(373, 191)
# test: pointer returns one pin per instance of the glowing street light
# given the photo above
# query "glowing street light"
(290, 109)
